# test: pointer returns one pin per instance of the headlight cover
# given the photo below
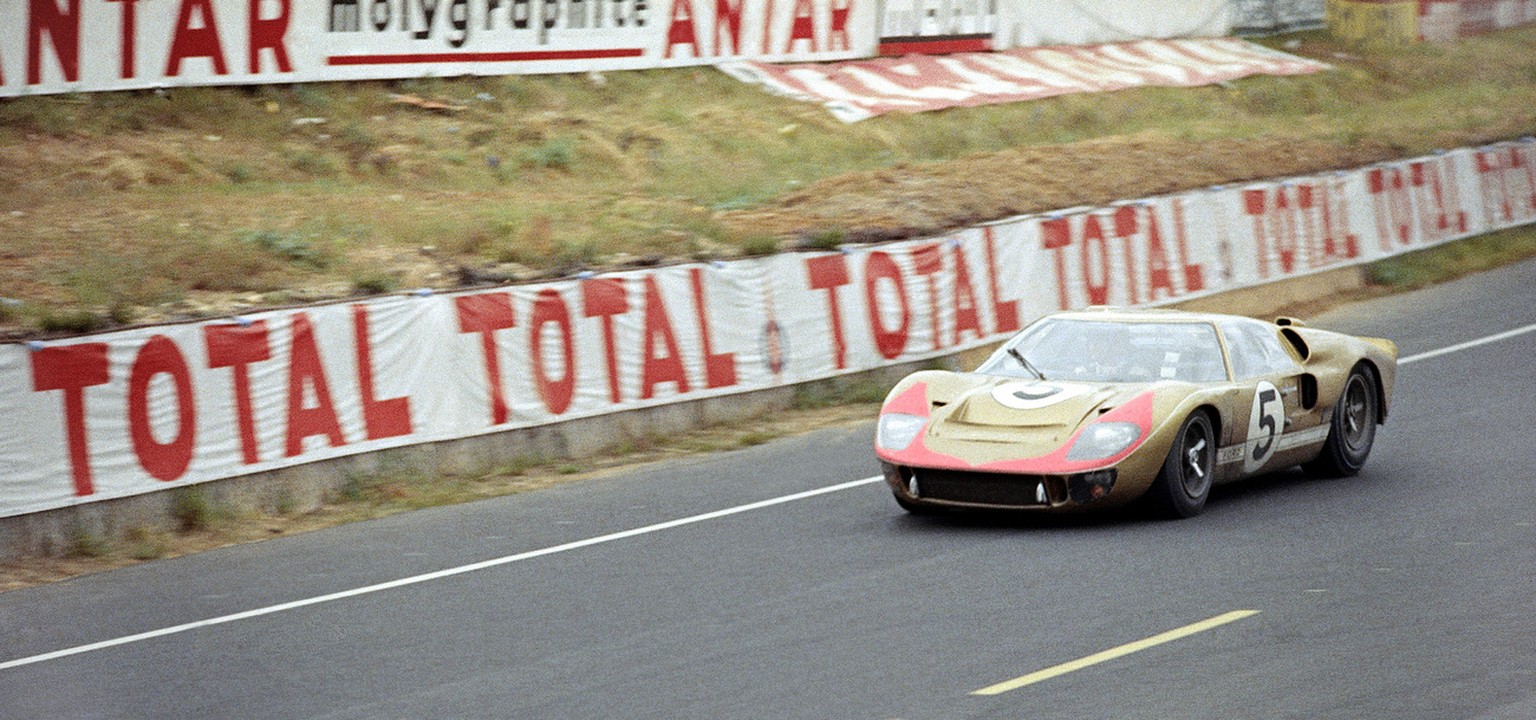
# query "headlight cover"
(897, 430)
(1103, 439)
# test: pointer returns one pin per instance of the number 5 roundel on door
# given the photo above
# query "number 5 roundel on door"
(1263, 426)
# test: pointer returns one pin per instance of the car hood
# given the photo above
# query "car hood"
(1008, 424)
(1034, 413)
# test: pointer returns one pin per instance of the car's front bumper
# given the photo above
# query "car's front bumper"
(936, 487)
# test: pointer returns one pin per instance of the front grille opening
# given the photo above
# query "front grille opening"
(978, 488)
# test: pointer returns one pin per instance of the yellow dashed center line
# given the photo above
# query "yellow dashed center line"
(1115, 652)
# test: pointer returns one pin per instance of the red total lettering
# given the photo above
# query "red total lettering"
(1273, 229)
(966, 315)
(1094, 243)
(1056, 235)
(667, 366)
(1285, 230)
(1159, 276)
(381, 418)
(549, 307)
(719, 368)
(1336, 242)
(194, 42)
(1490, 175)
(1126, 229)
(890, 342)
(830, 272)
(73, 368)
(1439, 202)
(1194, 274)
(62, 29)
(237, 347)
(604, 298)
(1524, 157)
(1005, 313)
(1389, 196)
(485, 314)
(928, 262)
(306, 371)
(163, 461)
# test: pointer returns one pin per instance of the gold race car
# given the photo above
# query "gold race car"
(1096, 408)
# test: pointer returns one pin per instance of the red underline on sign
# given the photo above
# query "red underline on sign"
(936, 46)
(529, 56)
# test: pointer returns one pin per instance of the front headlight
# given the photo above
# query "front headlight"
(1104, 439)
(898, 430)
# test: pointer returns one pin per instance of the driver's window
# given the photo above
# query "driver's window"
(1254, 351)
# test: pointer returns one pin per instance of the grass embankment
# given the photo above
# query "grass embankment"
(134, 207)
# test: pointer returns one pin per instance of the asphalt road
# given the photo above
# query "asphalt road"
(1406, 592)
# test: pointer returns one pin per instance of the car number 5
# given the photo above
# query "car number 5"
(1263, 425)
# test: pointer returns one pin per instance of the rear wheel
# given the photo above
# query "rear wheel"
(1184, 483)
(1352, 430)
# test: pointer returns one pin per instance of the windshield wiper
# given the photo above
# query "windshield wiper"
(1025, 362)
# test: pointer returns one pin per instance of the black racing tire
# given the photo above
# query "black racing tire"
(1352, 430)
(1184, 484)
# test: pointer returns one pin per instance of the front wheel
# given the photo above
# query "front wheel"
(1352, 430)
(1184, 483)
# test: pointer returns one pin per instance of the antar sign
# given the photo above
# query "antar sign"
(59, 37)
(54, 46)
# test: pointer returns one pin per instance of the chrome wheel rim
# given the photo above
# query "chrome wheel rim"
(1195, 460)
(1356, 413)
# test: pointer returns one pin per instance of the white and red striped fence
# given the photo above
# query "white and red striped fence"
(130, 412)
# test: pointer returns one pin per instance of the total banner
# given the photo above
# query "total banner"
(116, 414)
(57, 46)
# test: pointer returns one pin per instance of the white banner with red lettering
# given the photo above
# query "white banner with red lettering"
(123, 413)
(54, 46)
(856, 90)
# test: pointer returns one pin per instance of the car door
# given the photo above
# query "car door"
(1271, 427)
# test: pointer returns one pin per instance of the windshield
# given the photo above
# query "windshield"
(1106, 351)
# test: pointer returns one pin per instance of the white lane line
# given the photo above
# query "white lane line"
(436, 575)
(1458, 347)
(1115, 652)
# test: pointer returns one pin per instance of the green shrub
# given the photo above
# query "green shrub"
(558, 154)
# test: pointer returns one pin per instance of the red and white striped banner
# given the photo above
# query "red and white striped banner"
(123, 413)
(859, 89)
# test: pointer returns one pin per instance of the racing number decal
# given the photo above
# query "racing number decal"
(1263, 425)
(1032, 395)
(1266, 424)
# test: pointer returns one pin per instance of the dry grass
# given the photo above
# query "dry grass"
(222, 199)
